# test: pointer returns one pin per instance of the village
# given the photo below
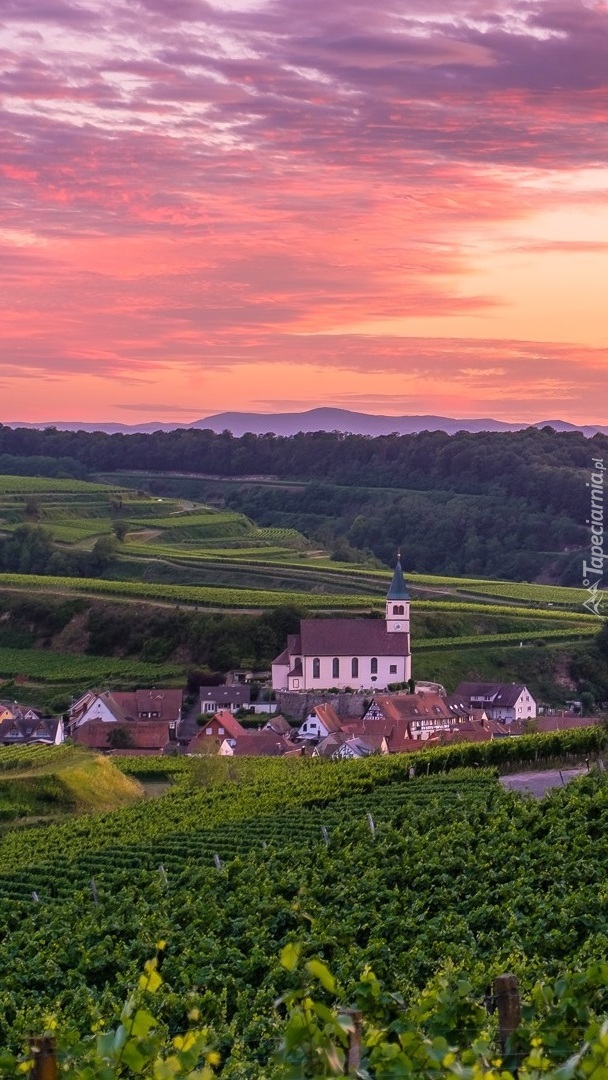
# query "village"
(341, 688)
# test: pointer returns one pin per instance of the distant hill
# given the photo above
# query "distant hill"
(322, 419)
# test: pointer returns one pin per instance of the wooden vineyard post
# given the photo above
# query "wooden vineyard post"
(353, 1052)
(506, 996)
(44, 1058)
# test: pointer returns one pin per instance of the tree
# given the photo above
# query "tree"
(120, 738)
(120, 530)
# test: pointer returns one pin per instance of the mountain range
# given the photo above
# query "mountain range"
(321, 419)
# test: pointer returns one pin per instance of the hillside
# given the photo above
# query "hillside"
(453, 875)
(320, 419)
(60, 636)
(118, 586)
(497, 504)
(37, 783)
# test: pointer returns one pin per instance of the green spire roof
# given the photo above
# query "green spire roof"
(398, 590)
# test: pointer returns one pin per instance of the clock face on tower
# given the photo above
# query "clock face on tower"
(397, 626)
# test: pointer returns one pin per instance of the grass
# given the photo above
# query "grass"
(54, 781)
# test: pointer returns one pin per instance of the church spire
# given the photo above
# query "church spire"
(398, 589)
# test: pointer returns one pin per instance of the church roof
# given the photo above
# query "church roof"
(350, 637)
(398, 590)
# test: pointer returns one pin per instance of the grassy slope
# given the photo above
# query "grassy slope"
(54, 782)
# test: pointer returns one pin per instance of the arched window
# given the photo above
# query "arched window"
(335, 668)
(398, 609)
(316, 668)
(374, 665)
(354, 667)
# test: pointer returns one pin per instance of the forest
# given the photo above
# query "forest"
(510, 505)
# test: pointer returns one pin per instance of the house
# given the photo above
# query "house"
(322, 721)
(216, 698)
(421, 714)
(223, 725)
(327, 747)
(13, 710)
(500, 701)
(126, 707)
(359, 747)
(361, 654)
(18, 731)
(143, 736)
(255, 744)
(279, 725)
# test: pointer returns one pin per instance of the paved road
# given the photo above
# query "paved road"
(537, 783)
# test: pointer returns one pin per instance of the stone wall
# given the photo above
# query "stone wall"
(299, 705)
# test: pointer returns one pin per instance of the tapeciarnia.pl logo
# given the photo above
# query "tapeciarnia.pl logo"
(593, 571)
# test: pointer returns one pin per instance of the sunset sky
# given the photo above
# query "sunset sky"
(397, 206)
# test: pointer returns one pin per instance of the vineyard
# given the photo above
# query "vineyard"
(358, 863)
(38, 665)
(205, 596)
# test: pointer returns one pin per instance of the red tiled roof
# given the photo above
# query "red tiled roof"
(144, 734)
(166, 702)
(412, 707)
(350, 637)
(279, 725)
(563, 722)
(260, 744)
(225, 719)
(328, 717)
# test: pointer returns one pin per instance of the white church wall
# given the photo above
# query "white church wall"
(390, 669)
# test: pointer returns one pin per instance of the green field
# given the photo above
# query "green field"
(452, 878)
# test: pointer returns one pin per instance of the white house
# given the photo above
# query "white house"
(363, 654)
(500, 701)
(322, 721)
(120, 706)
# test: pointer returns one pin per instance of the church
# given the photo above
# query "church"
(361, 654)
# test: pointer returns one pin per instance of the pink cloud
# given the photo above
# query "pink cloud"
(206, 183)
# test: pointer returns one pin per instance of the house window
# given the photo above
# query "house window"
(354, 667)
(374, 665)
(335, 668)
(316, 668)
(393, 669)
(220, 731)
(209, 731)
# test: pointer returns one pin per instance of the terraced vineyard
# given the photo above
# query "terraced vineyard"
(357, 862)
(38, 665)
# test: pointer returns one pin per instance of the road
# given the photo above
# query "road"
(537, 783)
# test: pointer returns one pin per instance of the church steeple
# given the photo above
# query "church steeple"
(398, 589)
(397, 604)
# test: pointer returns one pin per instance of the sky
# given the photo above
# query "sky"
(396, 207)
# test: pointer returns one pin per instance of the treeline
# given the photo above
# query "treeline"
(211, 641)
(539, 465)
(30, 550)
(497, 504)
